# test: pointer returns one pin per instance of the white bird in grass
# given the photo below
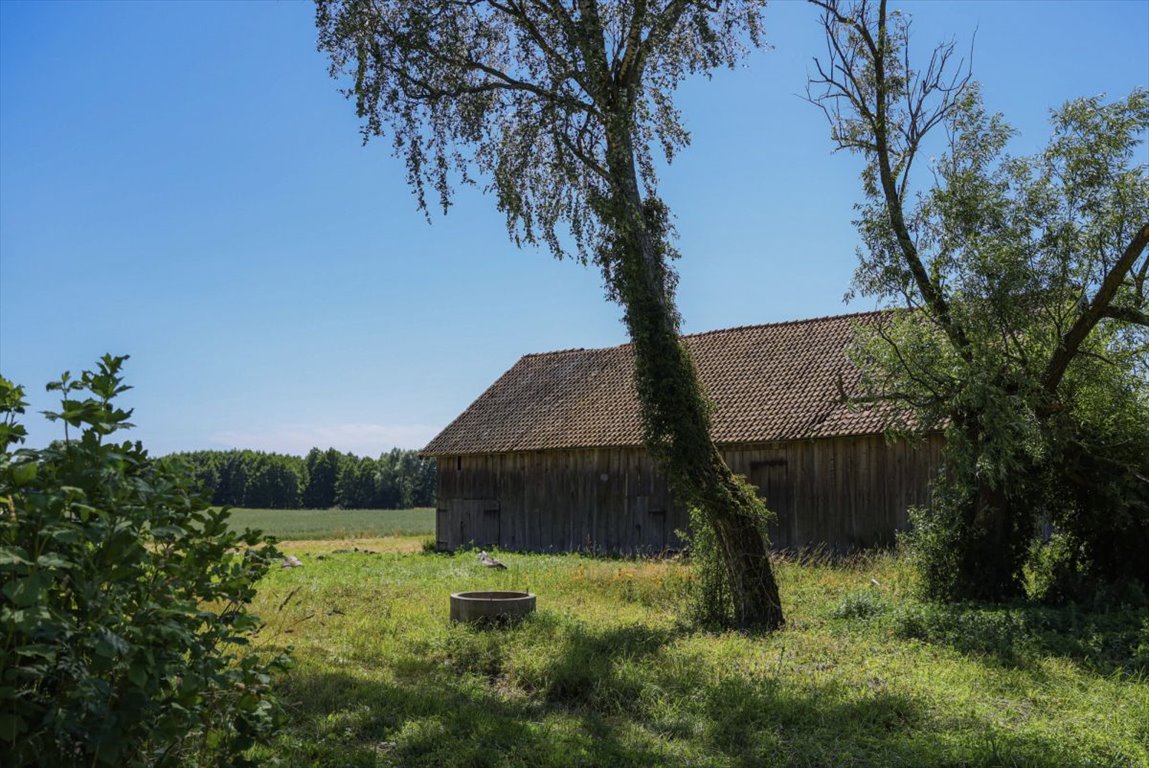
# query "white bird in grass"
(490, 562)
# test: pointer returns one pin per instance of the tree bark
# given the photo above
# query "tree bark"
(675, 413)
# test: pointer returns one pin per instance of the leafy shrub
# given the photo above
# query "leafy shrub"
(931, 546)
(1053, 574)
(860, 605)
(711, 603)
(124, 606)
(1099, 465)
(1139, 659)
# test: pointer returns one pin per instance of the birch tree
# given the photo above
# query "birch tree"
(558, 107)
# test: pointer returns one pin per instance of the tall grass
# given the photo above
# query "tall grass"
(606, 674)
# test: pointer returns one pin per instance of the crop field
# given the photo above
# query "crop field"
(336, 523)
(606, 673)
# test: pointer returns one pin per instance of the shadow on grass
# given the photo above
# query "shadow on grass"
(575, 696)
(1103, 642)
(444, 720)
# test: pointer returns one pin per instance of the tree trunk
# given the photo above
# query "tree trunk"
(998, 529)
(675, 413)
(995, 551)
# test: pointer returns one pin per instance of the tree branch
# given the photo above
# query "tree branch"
(877, 117)
(519, 13)
(1127, 315)
(1099, 307)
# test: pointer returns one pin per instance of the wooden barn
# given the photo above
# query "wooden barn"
(550, 457)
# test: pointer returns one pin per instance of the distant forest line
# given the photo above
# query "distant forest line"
(397, 479)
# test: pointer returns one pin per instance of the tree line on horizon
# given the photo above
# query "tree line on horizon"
(324, 479)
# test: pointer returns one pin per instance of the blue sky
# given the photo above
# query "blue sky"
(183, 182)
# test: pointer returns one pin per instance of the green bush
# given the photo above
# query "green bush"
(931, 545)
(124, 608)
(1001, 634)
(710, 604)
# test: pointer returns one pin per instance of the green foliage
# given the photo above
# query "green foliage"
(523, 96)
(124, 610)
(933, 545)
(1096, 477)
(1053, 571)
(398, 479)
(1070, 450)
(322, 474)
(1027, 339)
(710, 604)
(1103, 640)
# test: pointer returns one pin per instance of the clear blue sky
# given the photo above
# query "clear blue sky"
(183, 182)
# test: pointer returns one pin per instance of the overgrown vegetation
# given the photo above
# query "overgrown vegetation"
(398, 479)
(709, 604)
(607, 672)
(124, 611)
(1027, 335)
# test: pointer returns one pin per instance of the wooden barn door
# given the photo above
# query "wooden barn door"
(473, 521)
(650, 520)
(490, 525)
(773, 481)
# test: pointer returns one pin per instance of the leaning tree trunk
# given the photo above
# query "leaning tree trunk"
(675, 413)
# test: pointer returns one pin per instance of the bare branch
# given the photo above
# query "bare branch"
(858, 73)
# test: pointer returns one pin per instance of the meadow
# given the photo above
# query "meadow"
(606, 673)
(336, 523)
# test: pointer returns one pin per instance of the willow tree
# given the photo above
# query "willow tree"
(1029, 336)
(559, 106)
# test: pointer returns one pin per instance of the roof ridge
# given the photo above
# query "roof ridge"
(781, 323)
(568, 351)
(778, 324)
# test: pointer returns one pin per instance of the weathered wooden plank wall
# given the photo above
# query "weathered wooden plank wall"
(843, 492)
(846, 492)
(599, 500)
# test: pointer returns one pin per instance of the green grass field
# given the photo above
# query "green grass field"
(287, 524)
(606, 674)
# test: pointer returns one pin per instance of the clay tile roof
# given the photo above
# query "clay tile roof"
(767, 383)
